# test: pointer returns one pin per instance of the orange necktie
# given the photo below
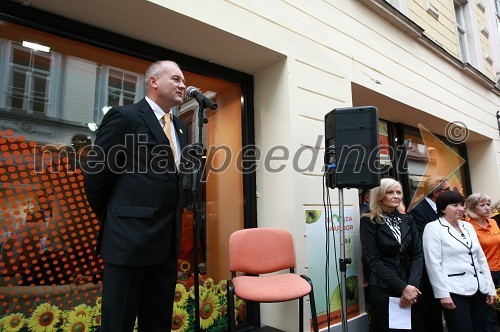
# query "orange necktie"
(168, 131)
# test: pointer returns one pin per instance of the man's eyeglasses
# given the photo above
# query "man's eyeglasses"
(444, 189)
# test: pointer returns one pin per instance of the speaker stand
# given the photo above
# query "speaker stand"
(343, 262)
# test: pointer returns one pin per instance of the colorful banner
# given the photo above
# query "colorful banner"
(316, 230)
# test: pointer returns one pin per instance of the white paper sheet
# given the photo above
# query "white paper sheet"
(399, 318)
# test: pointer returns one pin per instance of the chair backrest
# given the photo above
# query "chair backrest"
(261, 250)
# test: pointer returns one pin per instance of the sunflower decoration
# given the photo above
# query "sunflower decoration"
(180, 319)
(180, 295)
(497, 300)
(136, 325)
(45, 318)
(209, 308)
(201, 289)
(223, 309)
(222, 287)
(82, 310)
(77, 322)
(98, 302)
(184, 266)
(209, 283)
(12, 323)
(240, 310)
(96, 316)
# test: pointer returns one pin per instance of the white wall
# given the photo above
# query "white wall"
(483, 161)
(327, 45)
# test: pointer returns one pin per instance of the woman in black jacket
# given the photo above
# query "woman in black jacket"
(393, 251)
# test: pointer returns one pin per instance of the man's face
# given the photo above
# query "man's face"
(170, 87)
(443, 187)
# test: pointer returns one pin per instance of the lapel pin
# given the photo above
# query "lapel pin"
(180, 130)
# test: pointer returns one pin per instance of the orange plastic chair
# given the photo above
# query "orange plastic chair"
(257, 252)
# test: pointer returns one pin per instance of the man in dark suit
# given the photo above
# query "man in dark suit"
(423, 213)
(364, 202)
(134, 187)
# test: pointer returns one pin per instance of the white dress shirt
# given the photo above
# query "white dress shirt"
(431, 203)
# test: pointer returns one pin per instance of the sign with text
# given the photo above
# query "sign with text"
(321, 228)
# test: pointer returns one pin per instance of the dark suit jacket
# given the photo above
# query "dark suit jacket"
(497, 219)
(423, 214)
(133, 187)
(393, 265)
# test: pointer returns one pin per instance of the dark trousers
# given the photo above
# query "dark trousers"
(379, 311)
(145, 292)
(469, 314)
(433, 310)
(492, 315)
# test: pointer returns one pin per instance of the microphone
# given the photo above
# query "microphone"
(201, 99)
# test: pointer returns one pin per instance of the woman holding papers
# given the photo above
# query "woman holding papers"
(393, 250)
(457, 267)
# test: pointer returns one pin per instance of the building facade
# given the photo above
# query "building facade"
(431, 68)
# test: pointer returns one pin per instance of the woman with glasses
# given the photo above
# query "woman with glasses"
(457, 267)
(479, 211)
(393, 251)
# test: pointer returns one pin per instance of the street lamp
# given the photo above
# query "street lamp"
(498, 122)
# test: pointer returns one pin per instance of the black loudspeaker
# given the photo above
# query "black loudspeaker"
(351, 148)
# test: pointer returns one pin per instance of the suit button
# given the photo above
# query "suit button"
(475, 275)
(472, 264)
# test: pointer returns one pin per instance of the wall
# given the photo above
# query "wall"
(442, 29)
(326, 46)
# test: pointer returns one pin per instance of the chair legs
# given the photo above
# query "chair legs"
(231, 320)
(313, 311)
(312, 303)
(301, 314)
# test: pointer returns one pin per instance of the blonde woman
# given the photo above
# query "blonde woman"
(479, 211)
(393, 251)
(495, 212)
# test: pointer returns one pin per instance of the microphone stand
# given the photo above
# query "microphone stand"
(199, 216)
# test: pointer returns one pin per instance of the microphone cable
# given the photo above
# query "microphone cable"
(326, 199)
(327, 204)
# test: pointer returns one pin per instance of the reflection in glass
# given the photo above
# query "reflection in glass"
(47, 231)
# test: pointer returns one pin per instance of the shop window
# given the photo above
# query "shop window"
(386, 156)
(432, 156)
(47, 230)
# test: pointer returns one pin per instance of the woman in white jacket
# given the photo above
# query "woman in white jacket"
(457, 267)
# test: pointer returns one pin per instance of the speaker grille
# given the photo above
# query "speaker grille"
(351, 143)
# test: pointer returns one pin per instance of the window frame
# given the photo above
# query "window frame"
(461, 31)
(467, 33)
